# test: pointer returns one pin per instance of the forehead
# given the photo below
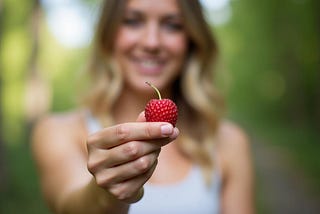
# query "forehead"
(154, 7)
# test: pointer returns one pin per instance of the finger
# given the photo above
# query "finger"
(106, 158)
(132, 150)
(110, 176)
(127, 191)
(113, 136)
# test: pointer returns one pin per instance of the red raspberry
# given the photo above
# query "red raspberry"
(161, 110)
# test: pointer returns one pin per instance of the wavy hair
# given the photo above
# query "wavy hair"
(198, 101)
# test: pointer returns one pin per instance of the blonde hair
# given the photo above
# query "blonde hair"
(198, 101)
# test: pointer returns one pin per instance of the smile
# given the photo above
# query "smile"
(150, 66)
(150, 63)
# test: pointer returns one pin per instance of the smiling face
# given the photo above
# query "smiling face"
(151, 43)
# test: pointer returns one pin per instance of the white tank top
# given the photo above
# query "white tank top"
(189, 196)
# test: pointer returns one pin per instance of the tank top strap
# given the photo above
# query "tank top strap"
(92, 123)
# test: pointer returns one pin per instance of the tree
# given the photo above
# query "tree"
(275, 64)
(2, 153)
(37, 92)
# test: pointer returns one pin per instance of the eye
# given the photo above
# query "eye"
(172, 23)
(132, 22)
(173, 26)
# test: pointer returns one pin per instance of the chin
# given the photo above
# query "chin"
(135, 80)
(139, 84)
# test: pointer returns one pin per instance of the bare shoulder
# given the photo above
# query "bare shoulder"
(237, 169)
(56, 129)
(233, 144)
(66, 119)
(232, 137)
(68, 122)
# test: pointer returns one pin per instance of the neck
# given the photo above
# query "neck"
(127, 108)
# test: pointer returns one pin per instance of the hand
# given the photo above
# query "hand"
(123, 157)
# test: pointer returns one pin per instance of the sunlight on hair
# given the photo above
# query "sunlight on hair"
(215, 4)
(71, 22)
(218, 12)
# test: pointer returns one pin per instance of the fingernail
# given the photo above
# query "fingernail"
(166, 129)
(175, 133)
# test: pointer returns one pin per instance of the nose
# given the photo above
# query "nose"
(151, 39)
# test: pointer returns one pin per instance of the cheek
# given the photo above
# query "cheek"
(178, 46)
(124, 41)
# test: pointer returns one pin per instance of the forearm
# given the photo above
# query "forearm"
(90, 199)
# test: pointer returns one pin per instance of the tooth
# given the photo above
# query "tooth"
(149, 63)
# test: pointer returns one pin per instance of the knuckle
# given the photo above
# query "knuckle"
(148, 131)
(143, 164)
(96, 160)
(122, 132)
(104, 179)
(90, 142)
(99, 180)
(91, 166)
(132, 149)
(124, 192)
(119, 191)
(93, 141)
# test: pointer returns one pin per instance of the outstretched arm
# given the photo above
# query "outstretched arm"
(103, 176)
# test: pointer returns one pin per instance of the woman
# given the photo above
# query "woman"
(108, 159)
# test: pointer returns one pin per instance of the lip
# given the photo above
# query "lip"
(149, 66)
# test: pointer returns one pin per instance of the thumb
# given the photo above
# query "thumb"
(141, 117)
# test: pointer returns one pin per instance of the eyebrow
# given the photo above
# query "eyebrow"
(138, 13)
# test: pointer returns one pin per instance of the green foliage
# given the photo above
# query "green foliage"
(276, 67)
(272, 54)
(57, 65)
(62, 67)
(14, 52)
(21, 193)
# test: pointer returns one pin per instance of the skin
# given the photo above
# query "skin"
(150, 44)
(105, 171)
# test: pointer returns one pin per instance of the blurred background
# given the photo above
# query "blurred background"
(269, 73)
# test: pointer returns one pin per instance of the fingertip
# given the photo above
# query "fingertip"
(175, 133)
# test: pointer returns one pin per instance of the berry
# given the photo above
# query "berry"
(161, 110)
